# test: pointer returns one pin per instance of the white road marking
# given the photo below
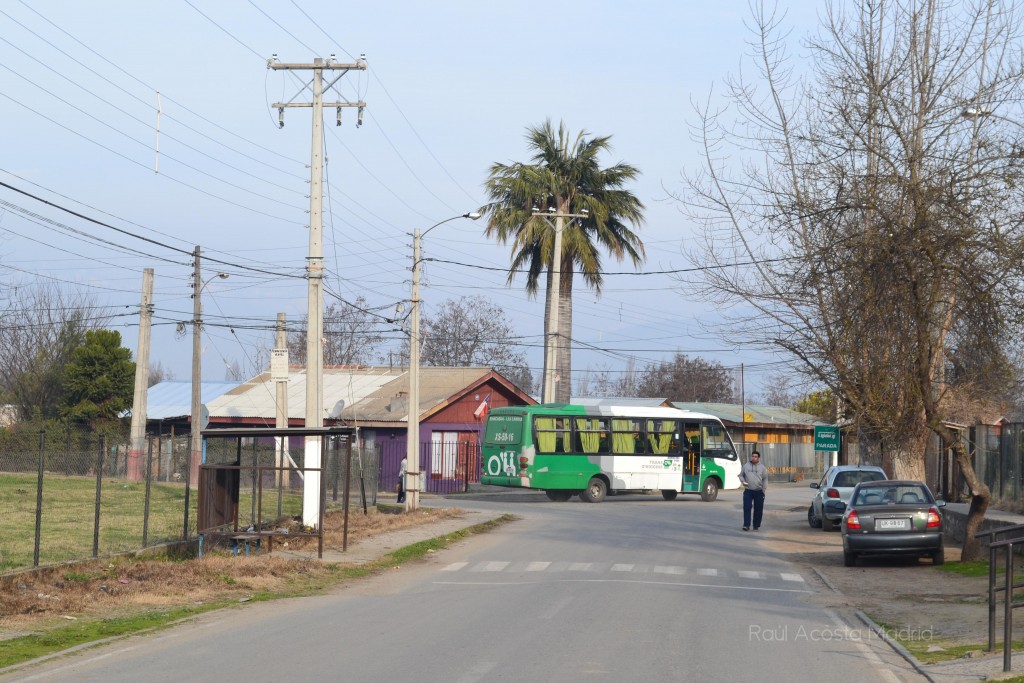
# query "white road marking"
(489, 567)
(622, 567)
(537, 566)
(792, 577)
(708, 572)
(580, 567)
(744, 574)
(454, 567)
(670, 570)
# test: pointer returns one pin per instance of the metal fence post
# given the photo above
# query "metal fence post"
(99, 487)
(149, 480)
(39, 497)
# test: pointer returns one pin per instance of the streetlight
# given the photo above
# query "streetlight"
(195, 453)
(412, 441)
(551, 341)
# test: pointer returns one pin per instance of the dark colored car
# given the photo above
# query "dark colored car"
(892, 517)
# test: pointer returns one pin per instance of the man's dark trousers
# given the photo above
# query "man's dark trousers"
(755, 498)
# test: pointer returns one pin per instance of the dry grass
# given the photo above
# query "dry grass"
(31, 601)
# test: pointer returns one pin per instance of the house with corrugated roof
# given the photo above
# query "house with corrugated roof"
(374, 403)
(784, 437)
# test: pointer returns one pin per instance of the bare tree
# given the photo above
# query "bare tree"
(472, 331)
(867, 218)
(353, 336)
(687, 380)
(43, 324)
(158, 373)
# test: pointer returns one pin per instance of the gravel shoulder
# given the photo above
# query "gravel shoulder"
(897, 593)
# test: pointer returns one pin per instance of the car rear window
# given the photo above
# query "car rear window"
(908, 494)
(854, 477)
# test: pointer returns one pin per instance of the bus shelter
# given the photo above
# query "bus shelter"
(252, 484)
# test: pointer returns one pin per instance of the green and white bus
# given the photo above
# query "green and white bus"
(591, 451)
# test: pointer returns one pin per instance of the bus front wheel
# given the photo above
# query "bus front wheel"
(596, 490)
(559, 496)
(709, 492)
(669, 495)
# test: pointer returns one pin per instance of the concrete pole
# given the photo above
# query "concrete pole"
(315, 309)
(195, 453)
(551, 343)
(138, 438)
(281, 345)
(412, 438)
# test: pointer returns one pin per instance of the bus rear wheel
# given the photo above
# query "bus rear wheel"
(709, 492)
(559, 495)
(669, 495)
(596, 490)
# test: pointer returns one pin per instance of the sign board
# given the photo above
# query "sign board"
(279, 365)
(826, 438)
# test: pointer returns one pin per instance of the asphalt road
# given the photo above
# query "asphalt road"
(633, 588)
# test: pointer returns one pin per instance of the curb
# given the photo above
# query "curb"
(899, 649)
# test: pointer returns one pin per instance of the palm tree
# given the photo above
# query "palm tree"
(564, 174)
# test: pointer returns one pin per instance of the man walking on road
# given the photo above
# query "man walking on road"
(754, 477)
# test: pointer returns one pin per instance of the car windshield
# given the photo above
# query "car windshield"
(851, 478)
(906, 494)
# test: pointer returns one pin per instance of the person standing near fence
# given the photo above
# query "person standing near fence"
(400, 486)
(754, 477)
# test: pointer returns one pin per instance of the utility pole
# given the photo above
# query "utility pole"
(279, 375)
(413, 482)
(195, 451)
(138, 440)
(551, 342)
(314, 264)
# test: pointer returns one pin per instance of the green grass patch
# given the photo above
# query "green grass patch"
(67, 523)
(918, 642)
(19, 650)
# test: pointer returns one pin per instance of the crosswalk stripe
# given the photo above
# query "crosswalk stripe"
(672, 570)
(489, 567)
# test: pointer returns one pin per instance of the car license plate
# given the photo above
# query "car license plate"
(892, 524)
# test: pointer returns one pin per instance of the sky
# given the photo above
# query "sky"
(155, 119)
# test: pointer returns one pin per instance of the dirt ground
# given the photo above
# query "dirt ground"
(37, 601)
(902, 593)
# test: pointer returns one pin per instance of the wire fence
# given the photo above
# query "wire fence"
(69, 494)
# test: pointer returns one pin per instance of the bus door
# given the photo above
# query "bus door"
(663, 467)
(691, 444)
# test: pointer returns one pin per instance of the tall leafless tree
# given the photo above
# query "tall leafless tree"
(42, 324)
(353, 335)
(473, 331)
(865, 216)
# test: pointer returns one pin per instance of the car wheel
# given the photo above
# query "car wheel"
(827, 524)
(710, 491)
(812, 518)
(939, 557)
(558, 495)
(669, 495)
(849, 559)
(596, 490)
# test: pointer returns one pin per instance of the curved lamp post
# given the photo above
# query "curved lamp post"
(195, 453)
(412, 452)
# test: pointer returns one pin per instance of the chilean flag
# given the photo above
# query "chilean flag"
(481, 410)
